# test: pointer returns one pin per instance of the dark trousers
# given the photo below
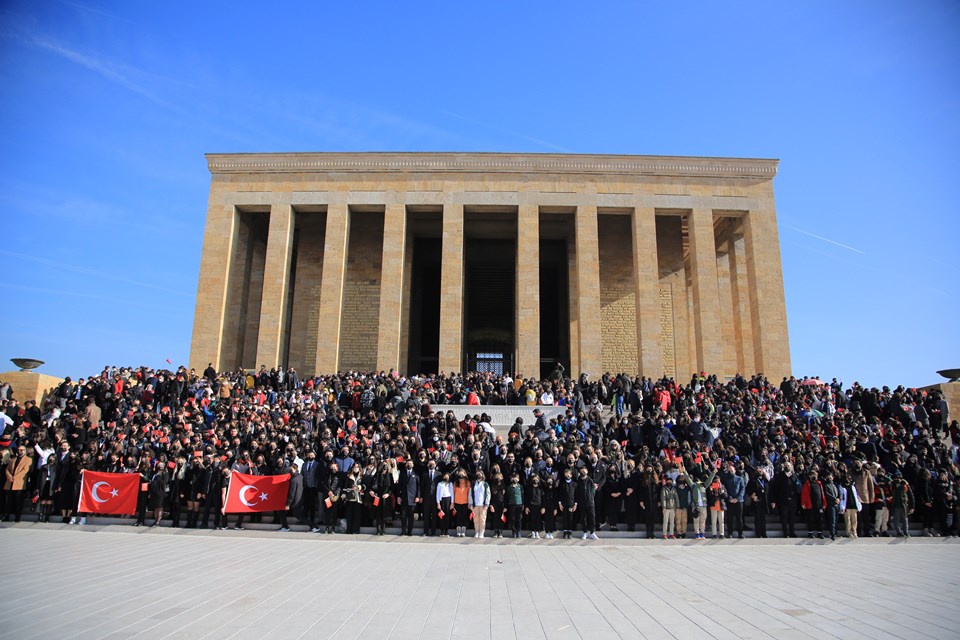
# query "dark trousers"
(354, 514)
(444, 523)
(612, 508)
(550, 520)
(865, 520)
(141, 507)
(330, 515)
(589, 516)
(567, 519)
(14, 504)
(815, 520)
(650, 521)
(536, 518)
(830, 521)
(430, 518)
(788, 517)
(760, 520)
(515, 512)
(310, 506)
(734, 518)
(406, 519)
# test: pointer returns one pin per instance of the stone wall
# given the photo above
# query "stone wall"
(674, 308)
(304, 321)
(361, 292)
(618, 311)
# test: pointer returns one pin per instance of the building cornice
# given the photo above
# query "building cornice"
(493, 163)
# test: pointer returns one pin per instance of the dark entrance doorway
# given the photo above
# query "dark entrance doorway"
(489, 305)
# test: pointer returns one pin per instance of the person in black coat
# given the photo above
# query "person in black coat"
(784, 495)
(630, 489)
(613, 497)
(567, 501)
(649, 498)
(157, 491)
(428, 498)
(408, 497)
(758, 490)
(331, 484)
(549, 501)
(586, 496)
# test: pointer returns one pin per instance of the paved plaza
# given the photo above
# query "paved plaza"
(119, 582)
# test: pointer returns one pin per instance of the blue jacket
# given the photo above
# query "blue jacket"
(735, 485)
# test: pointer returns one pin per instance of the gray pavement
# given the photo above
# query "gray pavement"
(114, 581)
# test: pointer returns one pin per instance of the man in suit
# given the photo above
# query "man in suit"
(311, 476)
(409, 497)
(428, 498)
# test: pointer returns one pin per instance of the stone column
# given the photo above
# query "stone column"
(706, 294)
(527, 325)
(451, 290)
(588, 292)
(391, 286)
(331, 288)
(216, 258)
(741, 305)
(276, 287)
(646, 280)
(771, 345)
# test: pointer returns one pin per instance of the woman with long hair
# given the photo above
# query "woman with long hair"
(461, 502)
(445, 504)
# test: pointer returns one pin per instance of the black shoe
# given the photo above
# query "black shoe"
(740, 536)
(820, 535)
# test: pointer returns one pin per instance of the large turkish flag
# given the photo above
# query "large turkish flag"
(114, 493)
(248, 494)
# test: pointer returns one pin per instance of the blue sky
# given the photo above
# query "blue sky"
(107, 110)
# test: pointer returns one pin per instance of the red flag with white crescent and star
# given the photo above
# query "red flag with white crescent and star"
(113, 493)
(249, 494)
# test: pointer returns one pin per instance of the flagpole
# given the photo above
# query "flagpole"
(223, 507)
(80, 496)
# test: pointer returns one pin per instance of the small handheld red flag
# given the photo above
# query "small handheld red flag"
(376, 501)
(328, 502)
(114, 493)
(440, 514)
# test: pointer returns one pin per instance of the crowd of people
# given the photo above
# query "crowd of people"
(701, 459)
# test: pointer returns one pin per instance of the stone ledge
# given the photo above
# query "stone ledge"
(502, 416)
(491, 163)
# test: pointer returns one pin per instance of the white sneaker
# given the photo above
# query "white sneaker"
(480, 535)
(593, 536)
(533, 534)
(536, 534)
(585, 536)
(73, 521)
(83, 520)
(549, 536)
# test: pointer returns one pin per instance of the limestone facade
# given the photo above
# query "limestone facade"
(449, 261)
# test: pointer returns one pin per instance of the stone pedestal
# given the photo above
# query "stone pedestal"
(28, 385)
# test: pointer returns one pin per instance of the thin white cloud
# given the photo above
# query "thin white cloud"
(82, 270)
(833, 242)
(95, 11)
(523, 136)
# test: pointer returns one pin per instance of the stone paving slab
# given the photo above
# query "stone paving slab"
(63, 582)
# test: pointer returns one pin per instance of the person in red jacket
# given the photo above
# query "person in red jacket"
(813, 501)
